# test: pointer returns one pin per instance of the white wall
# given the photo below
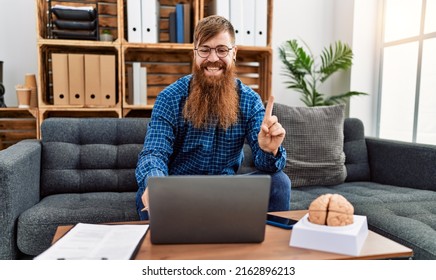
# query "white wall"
(17, 44)
(320, 23)
(365, 71)
(307, 20)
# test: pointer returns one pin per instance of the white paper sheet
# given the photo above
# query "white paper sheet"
(96, 242)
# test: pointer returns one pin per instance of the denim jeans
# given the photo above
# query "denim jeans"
(279, 200)
(139, 206)
(280, 193)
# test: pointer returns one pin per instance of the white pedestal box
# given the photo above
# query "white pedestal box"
(347, 240)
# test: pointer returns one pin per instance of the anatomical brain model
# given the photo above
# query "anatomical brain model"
(331, 210)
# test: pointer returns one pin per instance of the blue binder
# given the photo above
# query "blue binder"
(180, 23)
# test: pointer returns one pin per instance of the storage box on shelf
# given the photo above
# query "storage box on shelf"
(17, 124)
(254, 68)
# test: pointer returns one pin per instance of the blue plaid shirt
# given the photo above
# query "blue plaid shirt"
(173, 146)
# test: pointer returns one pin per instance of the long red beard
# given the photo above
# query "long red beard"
(212, 100)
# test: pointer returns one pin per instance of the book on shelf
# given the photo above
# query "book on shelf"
(138, 84)
(130, 86)
(180, 29)
(187, 22)
(172, 27)
(143, 86)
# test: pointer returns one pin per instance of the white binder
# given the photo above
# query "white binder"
(249, 9)
(261, 22)
(143, 86)
(136, 82)
(150, 13)
(236, 12)
(220, 7)
(134, 33)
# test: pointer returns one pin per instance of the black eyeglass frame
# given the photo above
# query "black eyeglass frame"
(215, 49)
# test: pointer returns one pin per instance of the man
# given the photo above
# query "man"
(200, 122)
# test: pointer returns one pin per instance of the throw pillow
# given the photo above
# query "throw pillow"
(314, 144)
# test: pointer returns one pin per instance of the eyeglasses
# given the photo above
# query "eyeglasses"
(221, 51)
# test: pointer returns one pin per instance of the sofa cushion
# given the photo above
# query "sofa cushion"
(356, 153)
(90, 154)
(359, 193)
(411, 223)
(37, 226)
(314, 144)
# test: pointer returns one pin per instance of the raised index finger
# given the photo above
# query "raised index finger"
(269, 106)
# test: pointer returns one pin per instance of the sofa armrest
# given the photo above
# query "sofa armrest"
(402, 164)
(20, 166)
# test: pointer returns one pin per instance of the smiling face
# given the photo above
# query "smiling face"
(210, 56)
(213, 98)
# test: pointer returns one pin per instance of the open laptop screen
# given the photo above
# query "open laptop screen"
(208, 209)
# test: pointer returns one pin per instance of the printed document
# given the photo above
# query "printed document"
(96, 242)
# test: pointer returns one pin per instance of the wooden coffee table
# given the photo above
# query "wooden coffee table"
(274, 247)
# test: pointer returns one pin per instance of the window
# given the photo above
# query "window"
(408, 71)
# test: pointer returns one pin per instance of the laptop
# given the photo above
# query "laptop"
(208, 209)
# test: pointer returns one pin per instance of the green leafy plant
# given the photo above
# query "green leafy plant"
(306, 74)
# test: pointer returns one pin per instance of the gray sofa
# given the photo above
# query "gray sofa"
(83, 171)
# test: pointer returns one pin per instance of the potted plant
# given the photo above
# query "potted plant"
(306, 74)
(106, 35)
